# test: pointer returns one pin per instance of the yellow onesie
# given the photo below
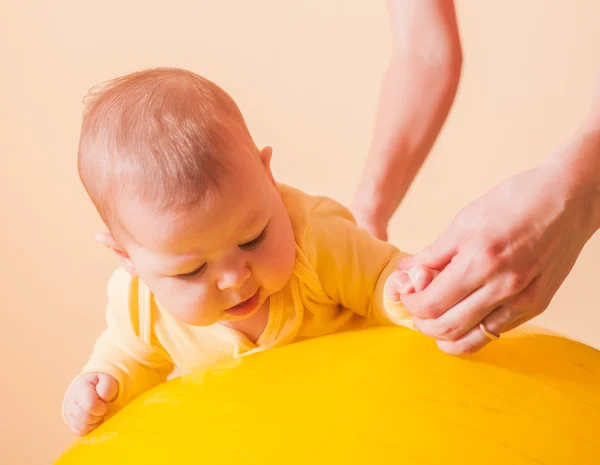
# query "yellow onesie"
(337, 284)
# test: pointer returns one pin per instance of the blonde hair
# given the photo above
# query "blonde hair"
(161, 136)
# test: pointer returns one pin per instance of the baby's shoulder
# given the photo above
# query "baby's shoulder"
(323, 228)
(127, 292)
(313, 213)
(131, 304)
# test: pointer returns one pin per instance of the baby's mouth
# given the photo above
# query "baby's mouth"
(245, 307)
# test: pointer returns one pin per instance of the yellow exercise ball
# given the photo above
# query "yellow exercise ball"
(379, 396)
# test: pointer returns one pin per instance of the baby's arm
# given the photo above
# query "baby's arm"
(359, 271)
(126, 361)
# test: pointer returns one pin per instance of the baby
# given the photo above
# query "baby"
(218, 259)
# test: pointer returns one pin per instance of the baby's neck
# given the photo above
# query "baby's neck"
(254, 326)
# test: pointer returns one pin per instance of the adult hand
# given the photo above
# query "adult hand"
(505, 255)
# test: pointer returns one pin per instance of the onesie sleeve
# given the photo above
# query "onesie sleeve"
(127, 349)
(352, 265)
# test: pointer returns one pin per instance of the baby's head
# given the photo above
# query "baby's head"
(189, 200)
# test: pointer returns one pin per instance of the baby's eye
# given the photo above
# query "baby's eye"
(255, 242)
(193, 274)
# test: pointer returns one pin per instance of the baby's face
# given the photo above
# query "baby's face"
(237, 247)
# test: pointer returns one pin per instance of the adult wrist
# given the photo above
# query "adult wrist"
(579, 174)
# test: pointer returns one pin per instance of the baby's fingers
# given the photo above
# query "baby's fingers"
(420, 277)
(407, 282)
(75, 414)
(89, 401)
(107, 387)
(396, 285)
(81, 429)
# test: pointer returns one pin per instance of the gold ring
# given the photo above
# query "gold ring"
(491, 336)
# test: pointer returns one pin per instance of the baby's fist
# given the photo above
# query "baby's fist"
(406, 282)
(87, 401)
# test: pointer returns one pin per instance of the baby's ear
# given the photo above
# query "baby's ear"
(108, 240)
(265, 156)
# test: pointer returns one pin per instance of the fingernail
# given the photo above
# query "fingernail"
(402, 279)
(413, 274)
(405, 283)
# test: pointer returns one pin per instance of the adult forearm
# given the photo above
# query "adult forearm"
(414, 103)
(417, 92)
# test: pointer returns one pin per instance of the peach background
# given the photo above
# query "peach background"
(306, 75)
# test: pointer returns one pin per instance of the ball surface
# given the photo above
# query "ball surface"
(384, 395)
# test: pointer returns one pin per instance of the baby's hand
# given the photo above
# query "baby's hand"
(406, 282)
(87, 401)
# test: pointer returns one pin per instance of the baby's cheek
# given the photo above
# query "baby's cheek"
(191, 304)
(277, 265)
(275, 262)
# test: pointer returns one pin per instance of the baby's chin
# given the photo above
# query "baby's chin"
(199, 322)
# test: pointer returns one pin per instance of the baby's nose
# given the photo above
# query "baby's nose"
(233, 278)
